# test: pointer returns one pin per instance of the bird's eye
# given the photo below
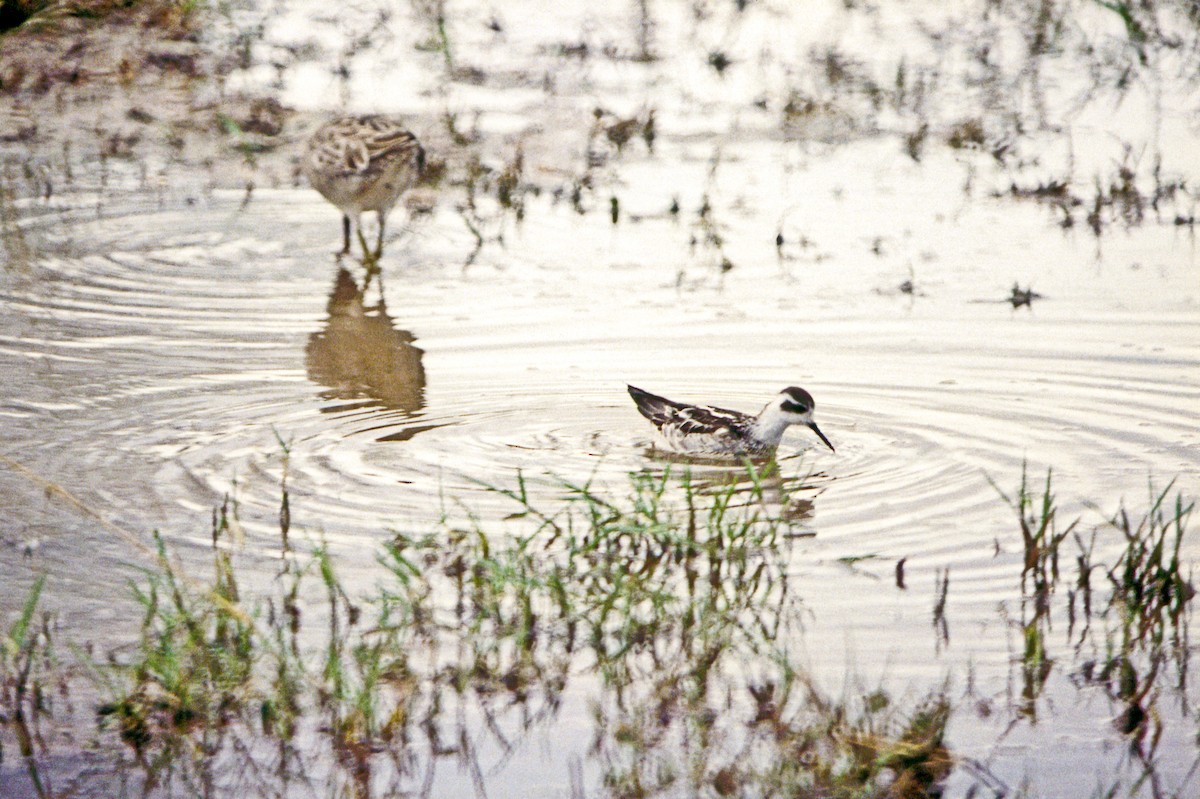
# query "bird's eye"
(794, 407)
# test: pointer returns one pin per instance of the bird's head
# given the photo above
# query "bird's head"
(795, 406)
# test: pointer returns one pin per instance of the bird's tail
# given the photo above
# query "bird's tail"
(655, 408)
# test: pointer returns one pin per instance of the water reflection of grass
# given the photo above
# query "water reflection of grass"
(27, 677)
(669, 608)
(675, 603)
(1129, 634)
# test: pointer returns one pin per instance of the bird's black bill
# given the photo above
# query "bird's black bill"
(813, 426)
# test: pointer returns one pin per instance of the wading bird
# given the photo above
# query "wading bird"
(705, 430)
(363, 163)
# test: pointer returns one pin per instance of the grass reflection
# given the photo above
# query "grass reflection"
(1128, 614)
(668, 613)
(671, 605)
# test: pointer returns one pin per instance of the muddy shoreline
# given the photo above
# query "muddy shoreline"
(141, 88)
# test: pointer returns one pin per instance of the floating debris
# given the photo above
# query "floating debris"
(1020, 296)
(907, 286)
(621, 131)
(719, 61)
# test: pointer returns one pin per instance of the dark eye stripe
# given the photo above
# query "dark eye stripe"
(794, 407)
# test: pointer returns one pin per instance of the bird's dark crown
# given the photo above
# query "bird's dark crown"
(799, 396)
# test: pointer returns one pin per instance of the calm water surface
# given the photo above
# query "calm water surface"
(157, 348)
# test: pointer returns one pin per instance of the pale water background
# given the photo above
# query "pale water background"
(162, 334)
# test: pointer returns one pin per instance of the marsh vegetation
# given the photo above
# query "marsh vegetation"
(278, 523)
(670, 613)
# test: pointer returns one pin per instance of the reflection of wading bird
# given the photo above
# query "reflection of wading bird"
(361, 164)
(359, 355)
(704, 430)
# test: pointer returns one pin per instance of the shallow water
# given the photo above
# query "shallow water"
(161, 349)
(149, 374)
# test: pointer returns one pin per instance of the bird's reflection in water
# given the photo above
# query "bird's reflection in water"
(758, 482)
(360, 357)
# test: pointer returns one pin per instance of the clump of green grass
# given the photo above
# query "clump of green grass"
(665, 566)
(665, 594)
(1039, 534)
(672, 595)
(1147, 612)
(1149, 586)
(1138, 629)
(1042, 540)
(27, 680)
(670, 604)
(195, 664)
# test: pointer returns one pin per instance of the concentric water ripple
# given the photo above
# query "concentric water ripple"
(163, 358)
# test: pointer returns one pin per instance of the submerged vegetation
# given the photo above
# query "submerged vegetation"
(671, 612)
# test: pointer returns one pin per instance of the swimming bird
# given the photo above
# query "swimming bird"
(705, 430)
(363, 163)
